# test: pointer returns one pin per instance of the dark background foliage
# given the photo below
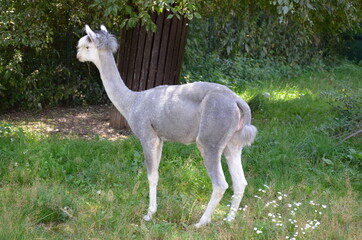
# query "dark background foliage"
(38, 67)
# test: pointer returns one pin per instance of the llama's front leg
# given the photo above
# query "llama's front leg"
(152, 151)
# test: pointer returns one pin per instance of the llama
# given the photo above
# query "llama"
(208, 114)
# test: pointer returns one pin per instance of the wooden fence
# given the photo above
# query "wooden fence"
(147, 59)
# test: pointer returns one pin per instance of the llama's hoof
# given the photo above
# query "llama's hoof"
(229, 218)
(202, 223)
(198, 225)
(147, 217)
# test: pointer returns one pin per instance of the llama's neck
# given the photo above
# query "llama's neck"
(121, 97)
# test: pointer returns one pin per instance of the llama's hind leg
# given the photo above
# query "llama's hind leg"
(219, 185)
(232, 154)
(152, 151)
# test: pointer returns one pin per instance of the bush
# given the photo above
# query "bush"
(38, 67)
(294, 30)
(46, 83)
(238, 71)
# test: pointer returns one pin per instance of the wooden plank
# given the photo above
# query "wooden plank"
(155, 52)
(163, 50)
(126, 56)
(139, 58)
(175, 53)
(121, 49)
(181, 49)
(114, 118)
(132, 57)
(146, 61)
(171, 56)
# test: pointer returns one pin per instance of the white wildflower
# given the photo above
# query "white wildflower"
(245, 207)
(257, 230)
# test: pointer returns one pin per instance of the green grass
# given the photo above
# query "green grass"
(59, 188)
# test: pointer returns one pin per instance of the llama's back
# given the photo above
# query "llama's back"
(174, 111)
(189, 92)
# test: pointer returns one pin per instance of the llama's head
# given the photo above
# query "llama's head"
(93, 42)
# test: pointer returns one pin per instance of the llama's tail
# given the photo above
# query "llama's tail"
(248, 131)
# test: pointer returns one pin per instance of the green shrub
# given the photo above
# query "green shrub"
(38, 65)
(239, 71)
(297, 31)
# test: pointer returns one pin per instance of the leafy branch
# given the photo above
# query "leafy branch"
(130, 13)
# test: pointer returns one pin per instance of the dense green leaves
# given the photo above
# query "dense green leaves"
(296, 30)
(38, 38)
(37, 54)
(129, 13)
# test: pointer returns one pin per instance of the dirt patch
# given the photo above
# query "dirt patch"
(86, 122)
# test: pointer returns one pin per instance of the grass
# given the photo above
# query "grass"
(303, 184)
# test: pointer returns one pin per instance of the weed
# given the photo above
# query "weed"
(346, 108)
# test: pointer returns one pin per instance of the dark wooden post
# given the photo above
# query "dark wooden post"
(148, 59)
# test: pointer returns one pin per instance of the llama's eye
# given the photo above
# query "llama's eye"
(87, 47)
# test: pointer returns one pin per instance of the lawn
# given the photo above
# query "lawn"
(304, 182)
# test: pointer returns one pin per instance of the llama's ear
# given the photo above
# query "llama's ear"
(90, 33)
(104, 29)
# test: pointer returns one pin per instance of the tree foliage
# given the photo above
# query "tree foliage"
(130, 12)
(37, 54)
(38, 38)
(291, 29)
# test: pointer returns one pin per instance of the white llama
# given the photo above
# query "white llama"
(208, 114)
